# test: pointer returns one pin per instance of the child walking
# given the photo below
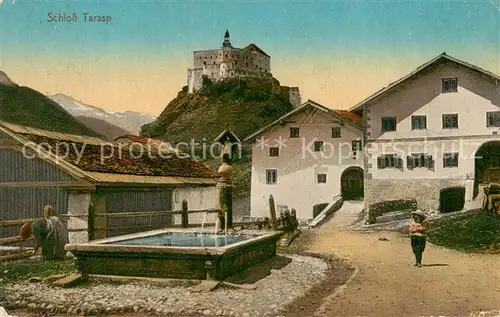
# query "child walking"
(418, 235)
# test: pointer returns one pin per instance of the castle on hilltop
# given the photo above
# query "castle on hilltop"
(228, 62)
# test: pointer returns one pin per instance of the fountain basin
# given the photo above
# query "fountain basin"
(175, 253)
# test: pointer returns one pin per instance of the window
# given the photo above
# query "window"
(271, 176)
(357, 145)
(493, 119)
(294, 132)
(388, 124)
(419, 160)
(321, 178)
(450, 84)
(336, 132)
(418, 122)
(318, 146)
(274, 151)
(389, 161)
(450, 121)
(450, 160)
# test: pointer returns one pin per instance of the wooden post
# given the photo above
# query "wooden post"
(91, 229)
(211, 270)
(272, 210)
(185, 215)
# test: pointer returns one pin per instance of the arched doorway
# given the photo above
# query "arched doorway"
(487, 165)
(351, 183)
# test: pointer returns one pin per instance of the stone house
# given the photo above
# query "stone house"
(308, 157)
(75, 173)
(432, 135)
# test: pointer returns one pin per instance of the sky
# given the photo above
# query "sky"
(336, 52)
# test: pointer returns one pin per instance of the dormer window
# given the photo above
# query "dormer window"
(294, 132)
(336, 132)
(450, 84)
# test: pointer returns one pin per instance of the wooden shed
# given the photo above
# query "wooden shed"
(78, 175)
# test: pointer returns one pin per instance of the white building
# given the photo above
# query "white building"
(434, 129)
(306, 158)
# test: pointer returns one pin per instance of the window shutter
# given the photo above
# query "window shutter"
(399, 162)
(409, 162)
(380, 162)
(430, 162)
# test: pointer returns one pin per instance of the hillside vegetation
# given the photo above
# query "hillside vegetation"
(28, 107)
(243, 105)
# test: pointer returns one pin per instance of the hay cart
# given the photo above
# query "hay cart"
(491, 202)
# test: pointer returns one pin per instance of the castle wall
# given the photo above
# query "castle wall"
(227, 62)
(195, 79)
(295, 99)
(208, 57)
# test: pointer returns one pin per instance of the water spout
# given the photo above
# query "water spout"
(225, 225)
(217, 220)
(203, 221)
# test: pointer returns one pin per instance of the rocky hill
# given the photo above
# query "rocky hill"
(128, 120)
(26, 106)
(106, 129)
(243, 105)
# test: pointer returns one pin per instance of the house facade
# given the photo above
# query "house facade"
(77, 175)
(433, 136)
(306, 158)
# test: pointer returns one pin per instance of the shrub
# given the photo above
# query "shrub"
(383, 207)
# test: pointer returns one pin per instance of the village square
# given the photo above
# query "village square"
(242, 198)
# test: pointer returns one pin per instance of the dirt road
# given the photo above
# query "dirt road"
(450, 283)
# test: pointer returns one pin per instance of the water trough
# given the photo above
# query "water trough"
(175, 253)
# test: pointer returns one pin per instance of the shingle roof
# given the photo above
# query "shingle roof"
(95, 161)
(348, 115)
(253, 47)
(135, 160)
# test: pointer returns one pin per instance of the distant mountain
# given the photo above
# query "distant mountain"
(128, 120)
(108, 130)
(5, 80)
(28, 107)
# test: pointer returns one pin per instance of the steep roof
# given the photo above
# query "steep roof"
(253, 47)
(343, 115)
(419, 69)
(91, 158)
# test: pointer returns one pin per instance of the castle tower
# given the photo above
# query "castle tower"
(227, 42)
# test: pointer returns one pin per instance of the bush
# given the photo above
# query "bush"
(383, 207)
(476, 232)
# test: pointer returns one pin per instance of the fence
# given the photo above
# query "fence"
(17, 238)
(112, 224)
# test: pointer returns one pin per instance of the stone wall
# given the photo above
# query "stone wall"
(295, 99)
(425, 191)
(78, 210)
